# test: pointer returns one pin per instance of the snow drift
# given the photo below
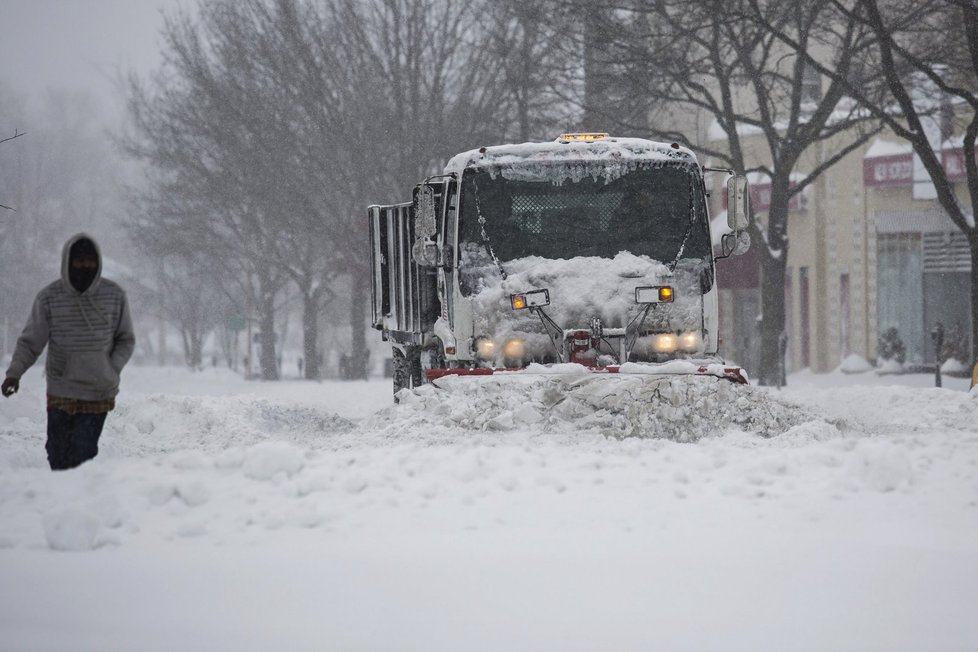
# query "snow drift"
(835, 517)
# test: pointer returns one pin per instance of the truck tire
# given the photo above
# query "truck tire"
(407, 368)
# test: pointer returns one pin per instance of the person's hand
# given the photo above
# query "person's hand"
(10, 386)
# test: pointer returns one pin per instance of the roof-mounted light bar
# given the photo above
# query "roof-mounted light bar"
(584, 137)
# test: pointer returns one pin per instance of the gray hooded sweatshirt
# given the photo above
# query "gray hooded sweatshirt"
(89, 335)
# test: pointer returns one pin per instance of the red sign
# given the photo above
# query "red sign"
(953, 160)
(897, 169)
(893, 170)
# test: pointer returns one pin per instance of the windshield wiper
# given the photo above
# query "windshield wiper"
(482, 230)
(689, 230)
(682, 247)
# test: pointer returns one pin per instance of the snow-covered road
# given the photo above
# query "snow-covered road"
(222, 514)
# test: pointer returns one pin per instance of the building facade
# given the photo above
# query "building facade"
(870, 251)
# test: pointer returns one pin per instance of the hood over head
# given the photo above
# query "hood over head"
(81, 246)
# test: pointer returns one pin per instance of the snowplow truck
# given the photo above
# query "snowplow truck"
(590, 250)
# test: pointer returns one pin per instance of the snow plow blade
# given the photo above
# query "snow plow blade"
(673, 368)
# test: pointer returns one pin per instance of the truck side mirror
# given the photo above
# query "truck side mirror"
(738, 203)
(425, 224)
(735, 244)
(425, 253)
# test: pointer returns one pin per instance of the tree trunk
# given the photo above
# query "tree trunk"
(773, 263)
(359, 354)
(772, 325)
(266, 321)
(310, 335)
(185, 338)
(227, 339)
(196, 349)
(193, 346)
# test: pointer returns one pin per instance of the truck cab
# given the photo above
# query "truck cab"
(590, 250)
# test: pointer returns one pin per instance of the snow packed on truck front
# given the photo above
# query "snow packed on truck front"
(612, 258)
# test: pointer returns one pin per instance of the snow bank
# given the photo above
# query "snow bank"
(889, 367)
(855, 364)
(953, 366)
(565, 506)
(562, 452)
(888, 409)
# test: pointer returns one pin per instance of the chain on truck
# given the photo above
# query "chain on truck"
(590, 250)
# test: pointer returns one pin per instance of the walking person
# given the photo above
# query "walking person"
(84, 321)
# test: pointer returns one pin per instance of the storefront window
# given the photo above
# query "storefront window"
(900, 292)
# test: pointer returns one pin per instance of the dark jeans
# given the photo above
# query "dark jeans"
(72, 438)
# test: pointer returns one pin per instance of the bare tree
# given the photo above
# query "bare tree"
(926, 52)
(571, 60)
(190, 301)
(719, 59)
(275, 122)
(222, 141)
(528, 45)
(393, 88)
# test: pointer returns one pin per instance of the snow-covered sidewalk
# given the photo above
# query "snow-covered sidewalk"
(222, 514)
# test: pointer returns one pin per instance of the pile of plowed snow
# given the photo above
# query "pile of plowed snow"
(679, 408)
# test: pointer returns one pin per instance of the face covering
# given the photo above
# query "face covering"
(81, 278)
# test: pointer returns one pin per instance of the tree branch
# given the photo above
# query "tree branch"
(17, 134)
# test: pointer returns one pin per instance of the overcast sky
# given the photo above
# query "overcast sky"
(79, 44)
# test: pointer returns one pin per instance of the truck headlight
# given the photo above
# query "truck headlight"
(485, 348)
(665, 343)
(514, 349)
(690, 341)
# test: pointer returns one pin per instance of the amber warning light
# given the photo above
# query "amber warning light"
(531, 299)
(655, 294)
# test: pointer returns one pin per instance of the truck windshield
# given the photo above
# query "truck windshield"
(564, 210)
